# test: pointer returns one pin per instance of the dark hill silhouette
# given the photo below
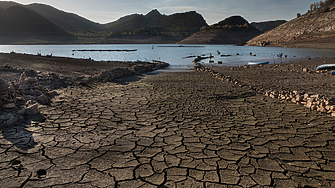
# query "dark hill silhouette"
(7, 4)
(232, 30)
(267, 26)
(2, 10)
(233, 20)
(18, 23)
(120, 21)
(153, 14)
(67, 21)
(155, 27)
(181, 22)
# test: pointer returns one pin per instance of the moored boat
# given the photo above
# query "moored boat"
(258, 63)
(325, 67)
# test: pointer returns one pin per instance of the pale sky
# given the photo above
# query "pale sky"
(213, 11)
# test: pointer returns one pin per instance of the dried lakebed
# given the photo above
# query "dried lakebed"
(184, 129)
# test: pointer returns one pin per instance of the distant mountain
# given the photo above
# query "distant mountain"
(232, 30)
(7, 4)
(154, 27)
(267, 26)
(120, 21)
(67, 21)
(313, 28)
(188, 22)
(19, 23)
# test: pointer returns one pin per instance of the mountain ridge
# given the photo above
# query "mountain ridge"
(152, 27)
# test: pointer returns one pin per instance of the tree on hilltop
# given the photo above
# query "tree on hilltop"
(320, 4)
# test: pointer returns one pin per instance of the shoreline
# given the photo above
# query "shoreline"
(32, 79)
(27, 81)
(169, 129)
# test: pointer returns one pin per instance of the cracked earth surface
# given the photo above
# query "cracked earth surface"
(183, 129)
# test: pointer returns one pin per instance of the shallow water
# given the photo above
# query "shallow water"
(172, 53)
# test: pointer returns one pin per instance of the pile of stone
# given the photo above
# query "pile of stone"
(18, 99)
(21, 98)
(109, 75)
(317, 102)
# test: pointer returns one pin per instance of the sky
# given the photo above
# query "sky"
(213, 11)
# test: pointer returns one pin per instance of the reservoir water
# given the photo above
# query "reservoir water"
(177, 55)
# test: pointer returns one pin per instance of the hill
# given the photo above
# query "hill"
(269, 25)
(179, 22)
(19, 23)
(7, 4)
(67, 21)
(232, 30)
(315, 29)
(154, 27)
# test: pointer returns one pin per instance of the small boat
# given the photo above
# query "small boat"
(211, 61)
(219, 62)
(333, 73)
(258, 63)
(325, 67)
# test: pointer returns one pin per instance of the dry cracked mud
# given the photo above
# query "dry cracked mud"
(183, 129)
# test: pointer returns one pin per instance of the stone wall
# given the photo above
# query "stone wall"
(317, 102)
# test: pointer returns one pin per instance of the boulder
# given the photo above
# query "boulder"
(23, 78)
(9, 106)
(32, 110)
(3, 84)
(42, 99)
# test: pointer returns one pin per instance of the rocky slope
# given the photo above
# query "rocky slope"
(314, 29)
(232, 30)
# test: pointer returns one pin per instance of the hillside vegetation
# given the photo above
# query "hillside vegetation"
(315, 29)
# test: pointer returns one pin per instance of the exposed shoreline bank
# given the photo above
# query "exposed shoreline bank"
(297, 82)
(27, 81)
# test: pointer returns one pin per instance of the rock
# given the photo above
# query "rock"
(12, 120)
(3, 81)
(9, 106)
(23, 78)
(42, 99)
(32, 80)
(52, 93)
(31, 73)
(298, 98)
(22, 112)
(3, 85)
(32, 110)
(8, 119)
